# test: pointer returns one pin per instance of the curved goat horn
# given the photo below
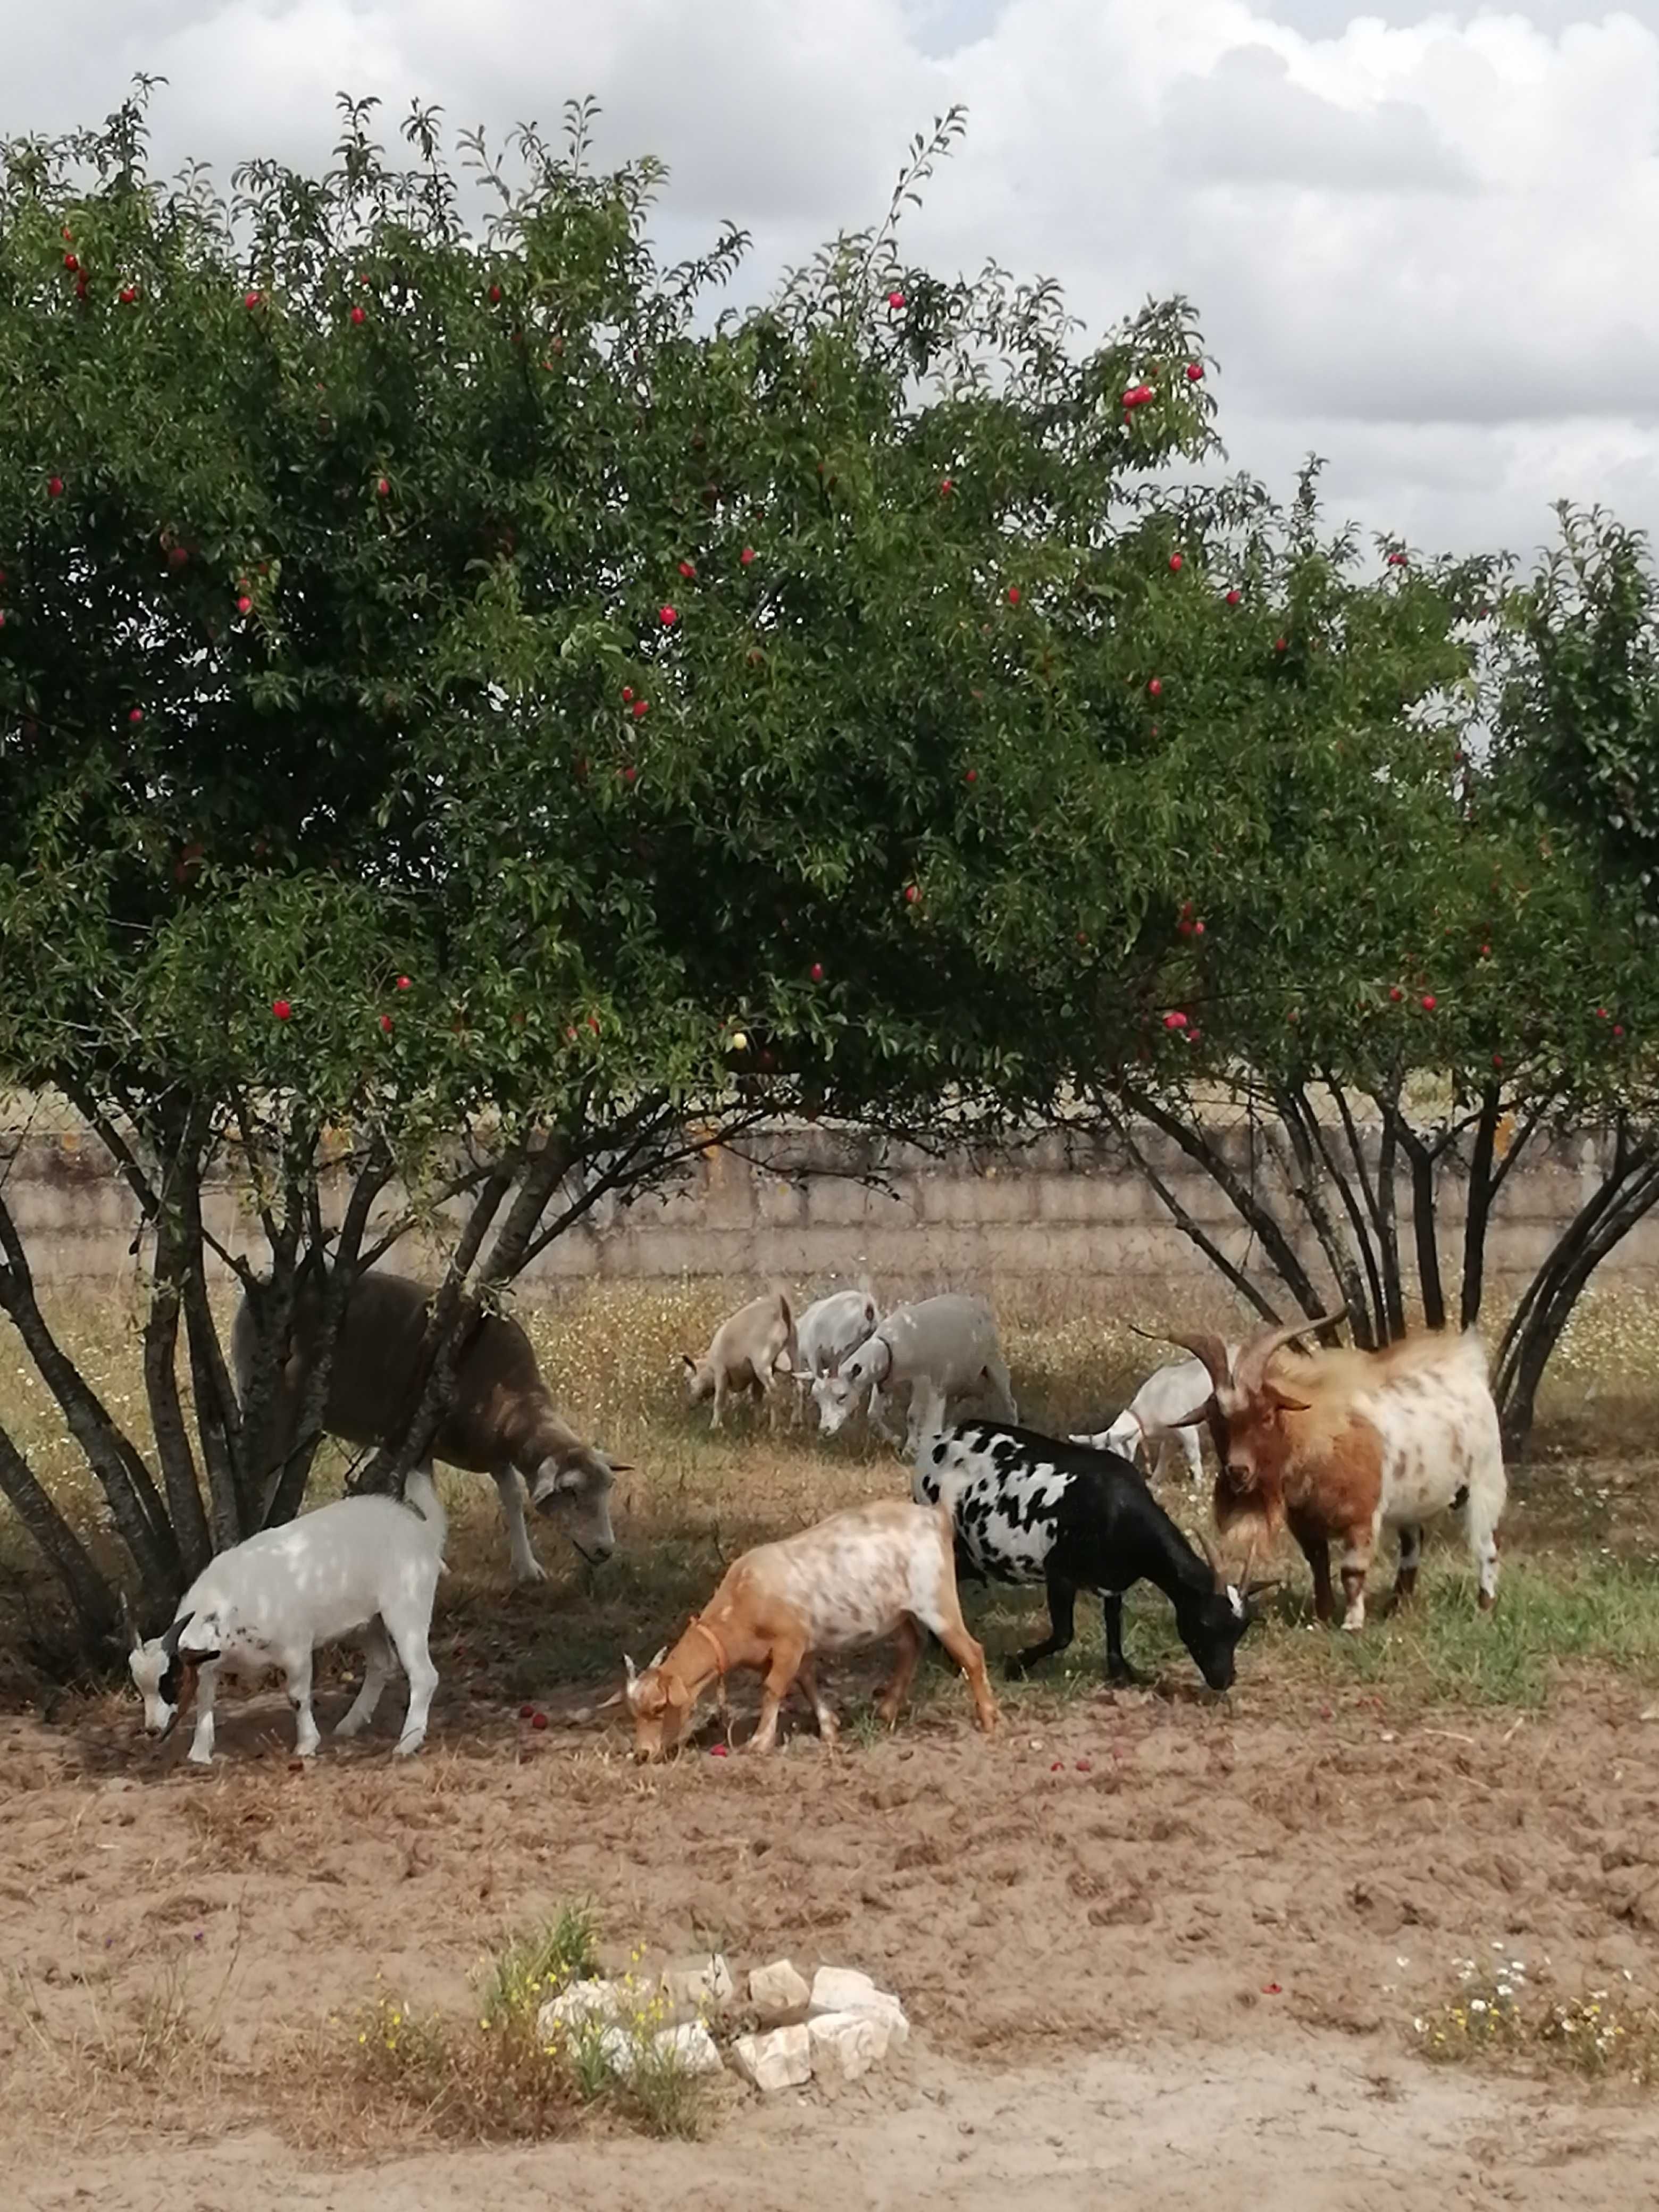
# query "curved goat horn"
(1257, 1351)
(1208, 1348)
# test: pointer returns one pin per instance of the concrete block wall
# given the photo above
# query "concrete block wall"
(1060, 1209)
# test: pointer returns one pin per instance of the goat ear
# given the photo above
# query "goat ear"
(661, 1657)
(633, 1671)
(687, 1363)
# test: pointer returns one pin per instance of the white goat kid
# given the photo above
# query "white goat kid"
(745, 1354)
(829, 1330)
(1151, 1421)
(364, 1568)
(935, 1351)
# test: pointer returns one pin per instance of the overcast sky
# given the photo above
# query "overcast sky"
(1423, 241)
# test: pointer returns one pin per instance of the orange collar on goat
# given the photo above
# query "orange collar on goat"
(723, 1665)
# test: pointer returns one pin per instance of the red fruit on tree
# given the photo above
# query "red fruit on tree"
(629, 773)
(281, 1008)
(54, 487)
(972, 776)
(641, 708)
(1429, 1002)
(386, 1024)
(896, 299)
(628, 694)
(383, 487)
(747, 555)
(71, 262)
(244, 605)
(688, 568)
(494, 295)
(1233, 597)
(1176, 1020)
(357, 315)
(1396, 993)
(404, 984)
(818, 971)
(1195, 372)
(1013, 595)
(911, 894)
(251, 299)
(669, 616)
(1176, 564)
(1497, 1060)
(1601, 1014)
(1617, 1031)
(135, 714)
(1281, 644)
(945, 488)
(1155, 689)
(1198, 929)
(1396, 560)
(593, 1024)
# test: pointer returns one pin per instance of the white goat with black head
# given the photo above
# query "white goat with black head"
(365, 1568)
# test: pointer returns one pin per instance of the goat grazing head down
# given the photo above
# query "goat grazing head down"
(849, 1381)
(574, 1487)
(1213, 1622)
(1246, 1407)
(660, 1704)
(164, 1669)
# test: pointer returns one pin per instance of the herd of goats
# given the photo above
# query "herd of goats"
(1330, 1444)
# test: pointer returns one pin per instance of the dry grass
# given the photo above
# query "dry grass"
(1581, 1541)
(156, 2042)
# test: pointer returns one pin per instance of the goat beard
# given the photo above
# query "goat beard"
(1255, 1509)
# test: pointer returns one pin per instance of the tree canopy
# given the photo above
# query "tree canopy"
(476, 711)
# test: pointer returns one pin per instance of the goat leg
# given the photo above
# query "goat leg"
(808, 1678)
(1118, 1669)
(1062, 1603)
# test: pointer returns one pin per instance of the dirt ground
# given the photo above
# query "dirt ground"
(1195, 1957)
(1155, 1947)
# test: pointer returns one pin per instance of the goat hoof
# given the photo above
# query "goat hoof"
(408, 1746)
(1125, 1678)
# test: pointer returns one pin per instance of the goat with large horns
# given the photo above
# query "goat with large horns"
(1339, 1444)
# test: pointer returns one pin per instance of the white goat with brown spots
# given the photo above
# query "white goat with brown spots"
(745, 1354)
(879, 1570)
(1343, 1444)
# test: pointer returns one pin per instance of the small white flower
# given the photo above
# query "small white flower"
(1402, 1962)
(1477, 2004)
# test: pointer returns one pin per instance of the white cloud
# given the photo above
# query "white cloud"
(1420, 237)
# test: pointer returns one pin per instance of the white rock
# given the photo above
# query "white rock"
(708, 1981)
(777, 1988)
(581, 2001)
(781, 2059)
(839, 1989)
(690, 2044)
(845, 2045)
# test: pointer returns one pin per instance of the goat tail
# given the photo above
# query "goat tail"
(867, 1290)
(421, 1492)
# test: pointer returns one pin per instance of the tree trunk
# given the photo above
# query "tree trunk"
(91, 1596)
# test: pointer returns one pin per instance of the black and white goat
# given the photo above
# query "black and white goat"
(1028, 1508)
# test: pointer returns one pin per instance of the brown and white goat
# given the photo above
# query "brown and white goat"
(744, 1355)
(1338, 1445)
(879, 1570)
(501, 1421)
